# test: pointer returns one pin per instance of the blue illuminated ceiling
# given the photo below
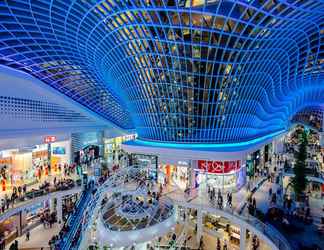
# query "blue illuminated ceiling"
(190, 71)
(311, 117)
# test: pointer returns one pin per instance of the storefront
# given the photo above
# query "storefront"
(5, 164)
(87, 147)
(17, 224)
(148, 161)
(15, 168)
(224, 175)
(60, 153)
(40, 161)
(222, 228)
(176, 173)
(112, 147)
(19, 167)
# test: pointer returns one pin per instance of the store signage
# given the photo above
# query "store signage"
(219, 167)
(6, 161)
(93, 141)
(40, 154)
(49, 139)
(182, 163)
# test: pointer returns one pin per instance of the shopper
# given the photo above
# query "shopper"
(218, 247)
(2, 242)
(12, 246)
(3, 205)
(19, 191)
(27, 235)
(270, 193)
(229, 199)
(220, 202)
(7, 200)
(24, 189)
(201, 243)
(254, 203)
(225, 245)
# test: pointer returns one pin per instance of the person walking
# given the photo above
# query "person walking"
(225, 245)
(218, 247)
(12, 246)
(19, 191)
(27, 235)
(229, 199)
(201, 243)
(254, 203)
(7, 201)
(2, 242)
(24, 189)
(3, 205)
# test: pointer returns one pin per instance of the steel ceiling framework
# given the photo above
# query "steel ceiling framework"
(186, 71)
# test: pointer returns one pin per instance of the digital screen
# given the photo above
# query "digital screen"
(59, 151)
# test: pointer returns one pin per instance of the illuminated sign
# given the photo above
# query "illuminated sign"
(49, 139)
(219, 167)
(182, 163)
(40, 154)
(6, 161)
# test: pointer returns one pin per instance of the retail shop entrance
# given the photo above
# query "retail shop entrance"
(149, 161)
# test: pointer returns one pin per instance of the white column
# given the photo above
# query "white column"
(19, 226)
(206, 176)
(199, 224)
(51, 204)
(321, 135)
(189, 172)
(59, 209)
(242, 238)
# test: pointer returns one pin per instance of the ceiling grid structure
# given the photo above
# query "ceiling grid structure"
(183, 71)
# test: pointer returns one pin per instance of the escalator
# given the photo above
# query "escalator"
(71, 238)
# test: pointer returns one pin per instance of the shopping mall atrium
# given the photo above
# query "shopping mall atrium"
(162, 124)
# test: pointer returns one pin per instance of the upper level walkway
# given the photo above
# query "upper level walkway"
(38, 195)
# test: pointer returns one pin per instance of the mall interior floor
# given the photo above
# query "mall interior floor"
(39, 237)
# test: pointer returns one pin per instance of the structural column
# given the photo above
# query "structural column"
(59, 209)
(242, 238)
(191, 176)
(52, 204)
(19, 224)
(199, 224)
(321, 135)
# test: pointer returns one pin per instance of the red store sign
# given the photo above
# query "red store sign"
(219, 167)
(49, 139)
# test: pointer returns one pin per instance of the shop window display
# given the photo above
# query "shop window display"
(227, 175)
(177, 175)
(222, 228)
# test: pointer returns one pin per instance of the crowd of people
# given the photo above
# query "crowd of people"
(21, 193)
(62, 169)
(48, 219)
(219, 198)
(18, 193)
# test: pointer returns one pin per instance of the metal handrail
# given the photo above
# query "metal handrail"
(36, 199)
(95, 204)
(67, 240)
